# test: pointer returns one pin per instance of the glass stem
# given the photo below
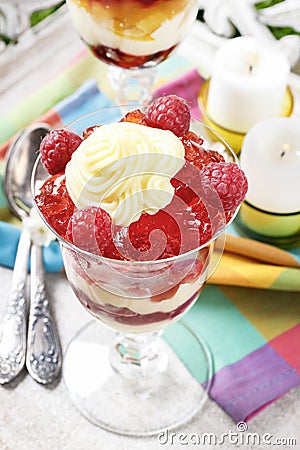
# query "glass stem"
(132, 85)
(138, 356)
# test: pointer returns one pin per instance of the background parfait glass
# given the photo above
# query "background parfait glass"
(119, 369)
(132, 37)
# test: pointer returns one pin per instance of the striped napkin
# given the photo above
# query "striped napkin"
(249, 312)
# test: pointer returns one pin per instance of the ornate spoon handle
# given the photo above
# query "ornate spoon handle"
(14, 323)
(43, 358)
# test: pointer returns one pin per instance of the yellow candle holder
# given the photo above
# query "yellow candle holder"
(282, 230)
(234, 138)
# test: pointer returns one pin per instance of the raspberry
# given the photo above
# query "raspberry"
(169, 112)
(56, 149)
(90, 229)
(228, 181)
(55, 203)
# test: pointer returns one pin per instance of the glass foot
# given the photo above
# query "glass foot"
(132, 86)
(127, 405)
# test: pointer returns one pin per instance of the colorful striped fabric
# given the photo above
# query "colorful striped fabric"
(249, 312)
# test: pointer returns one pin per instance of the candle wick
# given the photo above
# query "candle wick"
(285, 148)
(250, 68)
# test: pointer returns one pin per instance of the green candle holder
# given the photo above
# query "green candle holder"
(282, 230)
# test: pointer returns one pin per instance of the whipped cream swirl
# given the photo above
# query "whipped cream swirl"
(125, 168)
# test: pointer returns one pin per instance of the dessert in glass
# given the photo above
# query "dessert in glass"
(138, 203)
(132, 37)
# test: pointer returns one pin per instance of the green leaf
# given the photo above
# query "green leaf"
(279, 32)
(7, 40)
(267, 3)
(38, 16)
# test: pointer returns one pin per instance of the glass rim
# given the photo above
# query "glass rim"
(168, 260)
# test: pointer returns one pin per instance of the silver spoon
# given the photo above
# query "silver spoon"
(43, 355)
(13, 326)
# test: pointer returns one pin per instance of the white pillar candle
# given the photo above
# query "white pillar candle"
(270, 157)
(248, 83)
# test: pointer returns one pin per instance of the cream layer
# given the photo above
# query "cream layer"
(97, 32)
(145, 305)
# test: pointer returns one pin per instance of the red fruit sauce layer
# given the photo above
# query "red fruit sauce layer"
(128, 317)
(115, 57)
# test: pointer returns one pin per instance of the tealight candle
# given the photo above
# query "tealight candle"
(248, 83)
(270, 157)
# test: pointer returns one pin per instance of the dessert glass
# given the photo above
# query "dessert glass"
(120, 372)
(132, 37)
